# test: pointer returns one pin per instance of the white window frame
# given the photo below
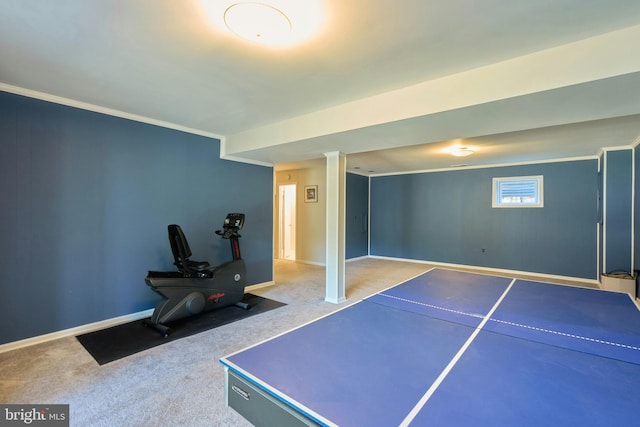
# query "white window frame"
(495, 203)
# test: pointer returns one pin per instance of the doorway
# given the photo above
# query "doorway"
(287, 215)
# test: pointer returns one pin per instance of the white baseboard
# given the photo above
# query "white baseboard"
(103, 324)
(96, 326)
(259, 286)
(303, 261)
(322, 264)
(595, 282)
(78, 330)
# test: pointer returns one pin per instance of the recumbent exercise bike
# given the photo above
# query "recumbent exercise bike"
(198, 286)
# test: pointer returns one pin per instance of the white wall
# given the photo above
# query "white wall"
(310, 217)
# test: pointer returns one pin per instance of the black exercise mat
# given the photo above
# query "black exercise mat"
(124, 340)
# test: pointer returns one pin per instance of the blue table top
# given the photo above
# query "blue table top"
(449, 348)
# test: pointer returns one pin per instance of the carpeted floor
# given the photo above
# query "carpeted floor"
(179, 383)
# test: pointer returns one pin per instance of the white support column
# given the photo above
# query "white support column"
(335, 256)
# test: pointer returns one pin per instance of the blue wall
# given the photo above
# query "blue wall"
(86, 202)
(636, 219)
(357, 216)
(601, 213)
(447, 217)
(618, 237)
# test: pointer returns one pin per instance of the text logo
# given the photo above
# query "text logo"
(34, 415)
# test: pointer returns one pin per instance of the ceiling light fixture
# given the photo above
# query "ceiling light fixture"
(461, 151)
(258, 22)
(458, 148)
(275, 23)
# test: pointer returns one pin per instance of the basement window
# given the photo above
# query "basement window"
(518, 192)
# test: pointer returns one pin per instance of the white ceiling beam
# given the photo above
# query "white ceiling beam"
(596, 58)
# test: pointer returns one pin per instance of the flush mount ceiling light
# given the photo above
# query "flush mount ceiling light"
(275, 23)
(258, 22)
(461, 151)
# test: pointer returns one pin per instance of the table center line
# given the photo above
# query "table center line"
(416, 409)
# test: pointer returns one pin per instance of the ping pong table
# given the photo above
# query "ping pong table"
(450, 348)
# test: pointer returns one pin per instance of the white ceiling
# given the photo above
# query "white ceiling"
(519, 80)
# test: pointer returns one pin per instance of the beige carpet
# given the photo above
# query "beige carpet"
(179, 383)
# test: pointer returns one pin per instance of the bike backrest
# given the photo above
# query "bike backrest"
(179, 246)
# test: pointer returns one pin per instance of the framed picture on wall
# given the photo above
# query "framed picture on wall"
(310, 193)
